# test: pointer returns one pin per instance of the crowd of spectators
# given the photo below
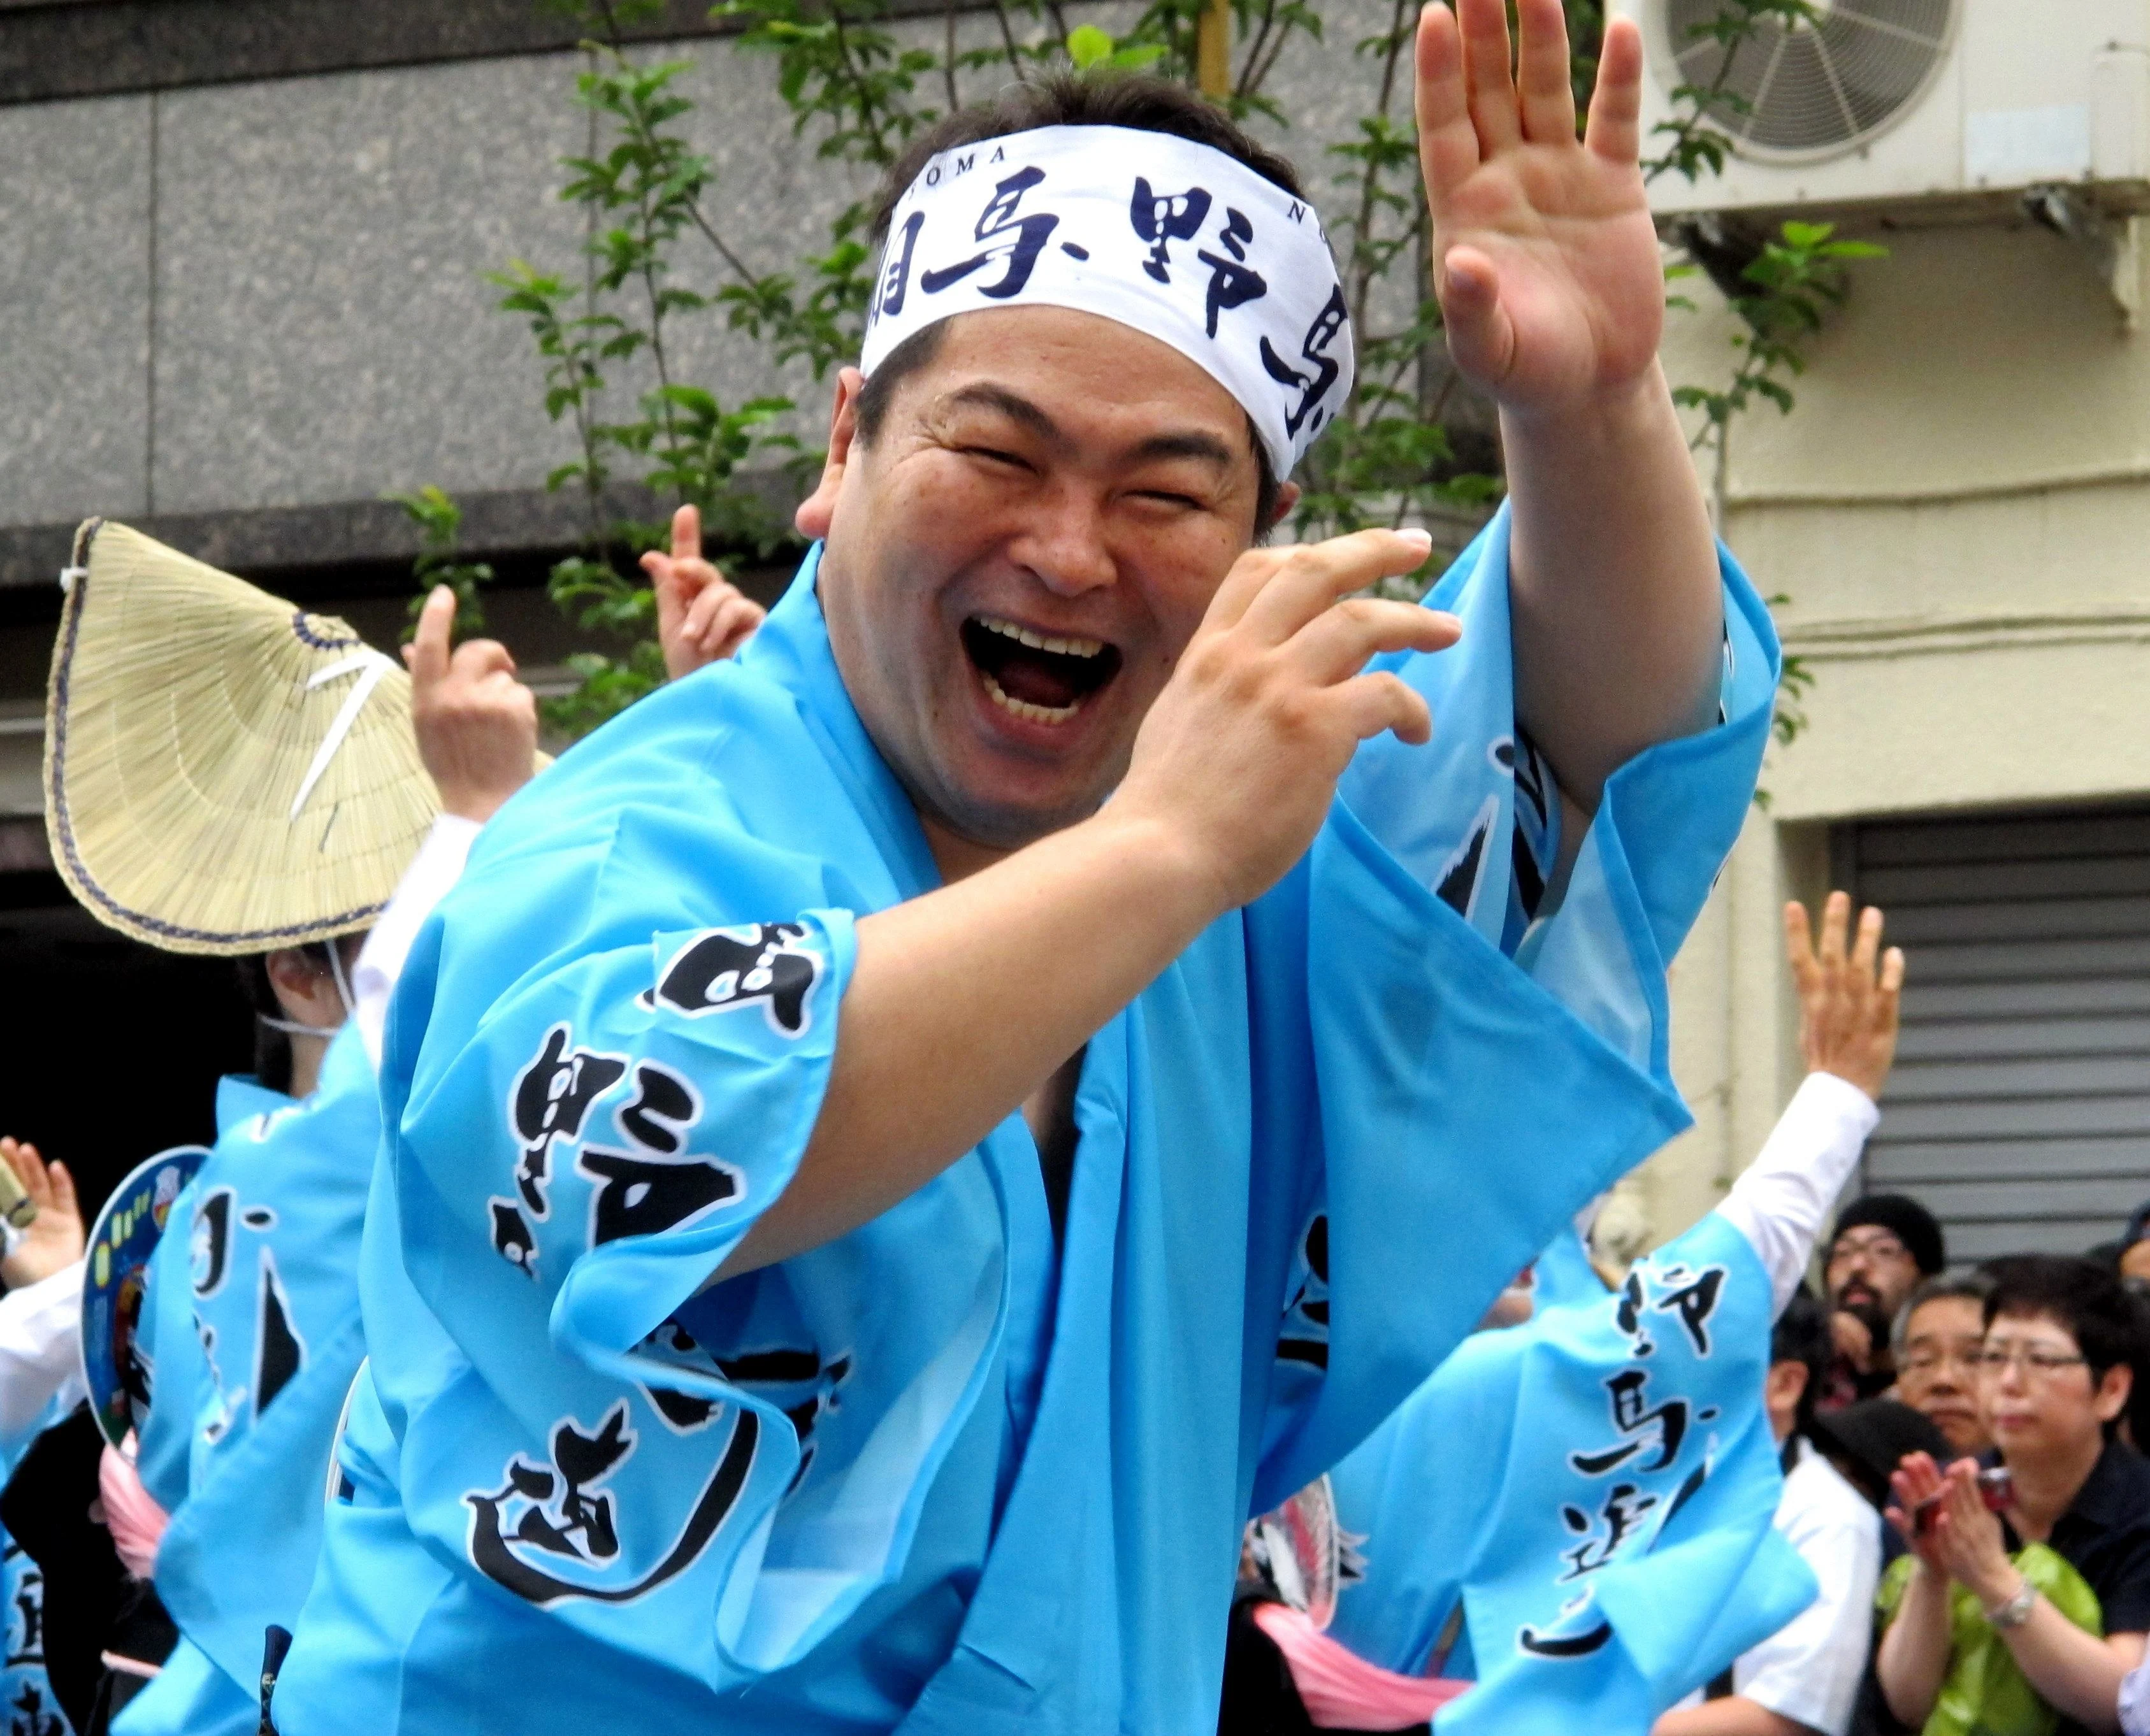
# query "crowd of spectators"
(1963, 1475)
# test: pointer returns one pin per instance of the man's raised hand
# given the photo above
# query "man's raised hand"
(1240, 754)
(477, 724)
(54, 1238)
(1545, 257)
(701, 616)
(1850, 997)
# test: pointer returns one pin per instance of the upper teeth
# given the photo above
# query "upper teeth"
(1041, 642)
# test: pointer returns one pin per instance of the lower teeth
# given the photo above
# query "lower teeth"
(1024, 708)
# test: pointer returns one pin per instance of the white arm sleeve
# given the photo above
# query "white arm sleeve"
(1809, 1670)
(40, 1352)
(1780, 1200)
(438, 866)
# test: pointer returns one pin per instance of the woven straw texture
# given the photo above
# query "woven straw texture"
(179, 730)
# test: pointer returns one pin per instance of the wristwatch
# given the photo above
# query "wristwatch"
(2016, 1610)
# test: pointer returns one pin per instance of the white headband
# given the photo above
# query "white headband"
(1172, 238)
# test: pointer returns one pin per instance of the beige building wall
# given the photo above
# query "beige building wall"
(1957, 515)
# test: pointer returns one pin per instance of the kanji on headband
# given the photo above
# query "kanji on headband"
(1174, 239)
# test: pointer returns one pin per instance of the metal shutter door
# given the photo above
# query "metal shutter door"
(2019, 1111)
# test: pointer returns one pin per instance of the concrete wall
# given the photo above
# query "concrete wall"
(1958, 512)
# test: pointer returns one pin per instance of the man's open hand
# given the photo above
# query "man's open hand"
(701, 616)
(1848, 1002)
(1240, 755)
(1545, 257)
(477, 724)
(55, 1237)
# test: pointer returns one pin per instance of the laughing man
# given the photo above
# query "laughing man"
(901, 1142)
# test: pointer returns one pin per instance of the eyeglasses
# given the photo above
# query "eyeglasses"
(1878, 1247)
(1925, 1362)
(2042, 1364)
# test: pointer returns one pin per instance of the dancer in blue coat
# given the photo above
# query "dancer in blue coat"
(251, 1331)
(864, 1217)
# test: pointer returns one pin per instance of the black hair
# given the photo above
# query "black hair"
(1135, 101)
(2078, 1295)
(272, 1047)
(1802, 1335)
(1950, 1287)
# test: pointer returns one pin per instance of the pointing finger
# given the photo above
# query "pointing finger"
(687, 534)
(427, 652)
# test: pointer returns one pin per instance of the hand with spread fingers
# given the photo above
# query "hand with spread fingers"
(1546, 259)
(1240, 754)
(702, 616)
(477, 724)
(1850, 1001)
(55, 1237)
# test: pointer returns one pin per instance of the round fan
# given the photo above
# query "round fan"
(1812, 88)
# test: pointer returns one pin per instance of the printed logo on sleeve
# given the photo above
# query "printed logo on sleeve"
(760, 965)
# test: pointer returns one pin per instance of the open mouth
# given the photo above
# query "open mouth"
(1034, 675)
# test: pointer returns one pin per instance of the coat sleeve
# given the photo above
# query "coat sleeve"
(706, 1477)
(1477, 1062)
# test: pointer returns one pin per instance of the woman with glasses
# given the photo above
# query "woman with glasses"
(2024, 1602)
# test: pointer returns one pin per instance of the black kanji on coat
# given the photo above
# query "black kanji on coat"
(552, 1095)
(729, 967)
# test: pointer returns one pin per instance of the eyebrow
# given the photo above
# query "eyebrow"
(1194, 443)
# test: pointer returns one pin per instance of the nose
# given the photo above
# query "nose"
(1065, 545)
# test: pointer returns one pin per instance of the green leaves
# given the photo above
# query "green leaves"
(440, 521)
(1093, 50)
(861, 84)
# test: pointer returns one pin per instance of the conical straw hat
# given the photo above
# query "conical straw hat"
(223, 773)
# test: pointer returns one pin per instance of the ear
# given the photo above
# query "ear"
(306, 992)
(818, 511)
(1287, 502)
(2111, 1398)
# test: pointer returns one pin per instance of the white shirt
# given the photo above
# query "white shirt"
(437, 867)
(1781, 1199)
(40, 1351)
(1809, 1670)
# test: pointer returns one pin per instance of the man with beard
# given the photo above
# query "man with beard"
(1885, 1244)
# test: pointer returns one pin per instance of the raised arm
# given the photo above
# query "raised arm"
(1550, 279)
(1850, 998)
(702, 616)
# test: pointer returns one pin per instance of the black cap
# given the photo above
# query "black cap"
(1874, 1434)
(1904, 1217)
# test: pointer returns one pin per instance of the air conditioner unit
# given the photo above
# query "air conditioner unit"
(1887, 102)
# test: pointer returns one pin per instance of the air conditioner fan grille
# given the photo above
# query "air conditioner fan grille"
(1816, 87)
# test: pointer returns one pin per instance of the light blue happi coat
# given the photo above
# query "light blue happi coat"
(939, 1475)
(26, 1705)
(1595, 1489)
(254, 1337)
